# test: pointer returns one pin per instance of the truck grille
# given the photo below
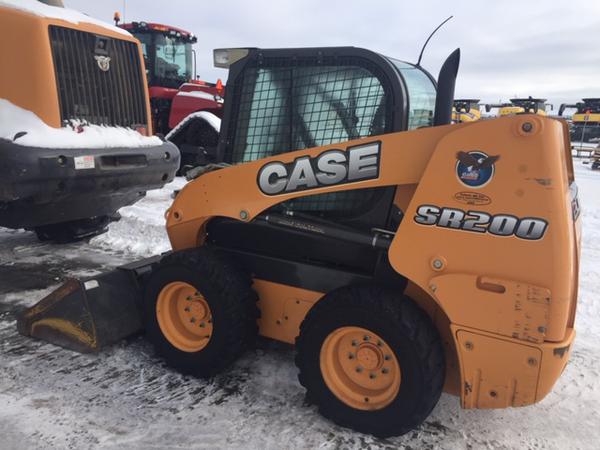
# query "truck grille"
(115, 96)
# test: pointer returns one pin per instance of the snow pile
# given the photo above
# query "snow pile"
(54, 12)
(209, 117)
(141, 230)
(14, 119)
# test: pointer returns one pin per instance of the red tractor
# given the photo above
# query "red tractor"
(187, 110)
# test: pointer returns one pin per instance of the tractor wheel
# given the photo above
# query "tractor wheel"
(75, 230)
(200, 312)
(371, 360)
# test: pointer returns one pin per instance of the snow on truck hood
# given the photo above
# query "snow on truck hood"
(55, 12)
(14, 119)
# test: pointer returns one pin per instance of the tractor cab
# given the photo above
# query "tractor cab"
(585, 125)
(185, 109)
(466, 110)
(527, 105)
(168, 53)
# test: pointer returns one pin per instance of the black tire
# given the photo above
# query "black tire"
(76, 230)
(231, 300)
(407, 330)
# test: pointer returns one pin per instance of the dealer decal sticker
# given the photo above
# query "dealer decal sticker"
(475, 169)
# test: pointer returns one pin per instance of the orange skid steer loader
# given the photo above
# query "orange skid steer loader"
(401, 255)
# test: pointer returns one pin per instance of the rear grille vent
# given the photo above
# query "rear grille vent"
(114, 96)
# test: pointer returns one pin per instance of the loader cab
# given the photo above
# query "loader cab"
(281, 100)
(289, 99)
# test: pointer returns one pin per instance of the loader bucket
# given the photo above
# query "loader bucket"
(87, 315)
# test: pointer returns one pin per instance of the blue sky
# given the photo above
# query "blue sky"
(509, 48)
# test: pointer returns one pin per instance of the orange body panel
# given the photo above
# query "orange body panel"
(514, 296)
(282, 309)
(27, 77)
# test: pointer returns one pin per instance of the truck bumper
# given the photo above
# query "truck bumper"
(41, 186)
(498, 372)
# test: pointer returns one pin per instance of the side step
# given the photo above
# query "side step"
(87, 315)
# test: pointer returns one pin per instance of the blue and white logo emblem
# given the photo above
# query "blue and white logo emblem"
(475, 169)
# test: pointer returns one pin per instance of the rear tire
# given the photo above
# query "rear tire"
(75, 230)
(406, 336)
(226, 293)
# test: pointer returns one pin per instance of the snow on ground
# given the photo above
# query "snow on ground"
(14, 120)
(126, 398)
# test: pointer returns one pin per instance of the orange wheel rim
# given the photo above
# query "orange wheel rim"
(360, 368)
(184, 316)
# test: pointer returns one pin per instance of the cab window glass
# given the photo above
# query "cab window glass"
(421, 94)
(173, 58)
(282, 109)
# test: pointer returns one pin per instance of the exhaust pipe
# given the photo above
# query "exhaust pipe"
(445, 90)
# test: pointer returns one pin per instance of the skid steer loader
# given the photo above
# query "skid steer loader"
(527, 105)
(402, 255)
(466, 110)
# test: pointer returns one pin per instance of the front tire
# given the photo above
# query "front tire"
(371, 360)
(200, 312)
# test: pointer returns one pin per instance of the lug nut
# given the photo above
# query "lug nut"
(193, 320)
(387, 357)
(379, 344)
(469, 345)
(189, 297)
(372, 376)
(385, 370)
(354, 343)
(202, 324)
(187, 309)
(350, 355)
(359, 369)
(366, 338)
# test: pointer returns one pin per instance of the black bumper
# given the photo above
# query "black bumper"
(41, 186)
